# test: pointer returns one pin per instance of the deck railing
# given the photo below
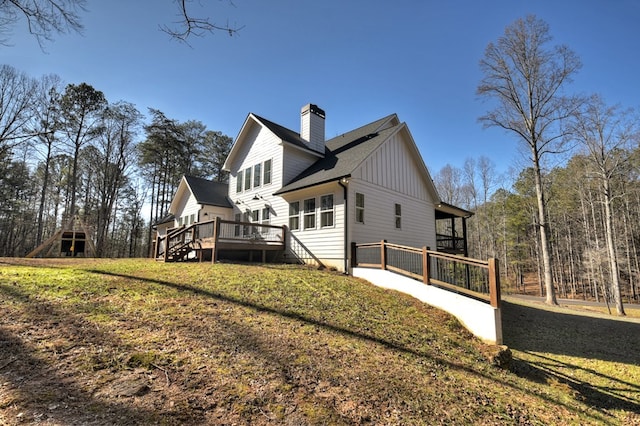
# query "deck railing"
(475, 278)
(219, 231)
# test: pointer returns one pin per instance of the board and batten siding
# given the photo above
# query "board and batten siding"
(390, 176)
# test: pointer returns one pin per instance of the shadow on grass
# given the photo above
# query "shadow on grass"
(358, 335)
(542, 333)
(52, 393)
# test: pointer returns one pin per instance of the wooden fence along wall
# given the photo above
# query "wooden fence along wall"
(474, 278)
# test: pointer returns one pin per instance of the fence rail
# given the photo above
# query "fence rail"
(476, 278)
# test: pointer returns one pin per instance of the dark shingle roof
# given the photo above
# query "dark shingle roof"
(284, 133)
(343, 155)
(209, 192)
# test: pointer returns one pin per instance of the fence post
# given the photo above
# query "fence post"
(383, 254)
(494, 282)
(425, 265)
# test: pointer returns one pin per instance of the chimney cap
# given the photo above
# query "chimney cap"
(314, 109)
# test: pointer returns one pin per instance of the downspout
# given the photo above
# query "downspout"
(342, 182)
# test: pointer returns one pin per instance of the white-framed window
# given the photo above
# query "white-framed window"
(266, 179)
(294, 215)
(326, 211)
(309, 214)
(247, 178)
(359, 207)
(266, 216)
(255, 218)
(239, 182)
(236, 228)
(192, 218)
(398, 211)
(245, 219)
(257, 175)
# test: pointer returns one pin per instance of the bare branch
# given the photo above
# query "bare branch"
(44, 18)
(189, 25)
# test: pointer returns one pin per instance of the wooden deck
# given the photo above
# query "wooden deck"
(199, 239)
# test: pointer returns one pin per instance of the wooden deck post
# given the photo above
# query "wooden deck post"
(494, 283)
(425, 265)
(214, 249)
(383, 254)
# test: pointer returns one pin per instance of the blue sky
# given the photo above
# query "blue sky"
(359, 60)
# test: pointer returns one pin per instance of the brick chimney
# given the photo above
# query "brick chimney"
(312, 127)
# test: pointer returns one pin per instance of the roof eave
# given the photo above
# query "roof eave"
(335, 179)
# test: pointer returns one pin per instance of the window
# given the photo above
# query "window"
(398, 216)
(239, 182)
(267, 172)
(245, 228)
(255, 217)
(294, 215)
(326, 210)
(257, 175)
(359, 208)
(266, 216)
(309, 213)
(236, 228)
(247, 178)
(192, 218)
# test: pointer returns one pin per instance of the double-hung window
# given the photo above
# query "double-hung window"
(294, 216)
(266, 179)
(247, 178)
(236, 228)
(398, 216)
(239, 182)
(309, 213)
(326, 211)
(257, 175)
(359, 208)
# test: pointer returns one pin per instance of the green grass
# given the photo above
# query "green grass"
(142, 342)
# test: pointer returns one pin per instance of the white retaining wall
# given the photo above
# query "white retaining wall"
(482, 319)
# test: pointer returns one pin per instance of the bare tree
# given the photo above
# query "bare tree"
(525, 77)
(606, 134)
(17, 93)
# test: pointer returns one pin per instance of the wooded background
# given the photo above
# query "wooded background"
(65, 150)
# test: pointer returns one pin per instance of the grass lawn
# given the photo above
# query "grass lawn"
(104, 342)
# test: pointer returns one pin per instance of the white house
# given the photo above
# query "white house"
(367, 185)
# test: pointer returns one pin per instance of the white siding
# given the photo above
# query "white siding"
(390, 176)
(186, 207)
(296, 162)
(326, 244)
(418, 217)
(392, 167)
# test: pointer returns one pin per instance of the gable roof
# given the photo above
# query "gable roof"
(285, 135)
(346, 152)
(205, 191)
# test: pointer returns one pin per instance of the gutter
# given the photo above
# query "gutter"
(342, 182)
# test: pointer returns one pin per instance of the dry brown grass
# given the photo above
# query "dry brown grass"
(139, 342)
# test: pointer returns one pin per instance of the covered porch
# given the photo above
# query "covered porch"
(451, 229)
